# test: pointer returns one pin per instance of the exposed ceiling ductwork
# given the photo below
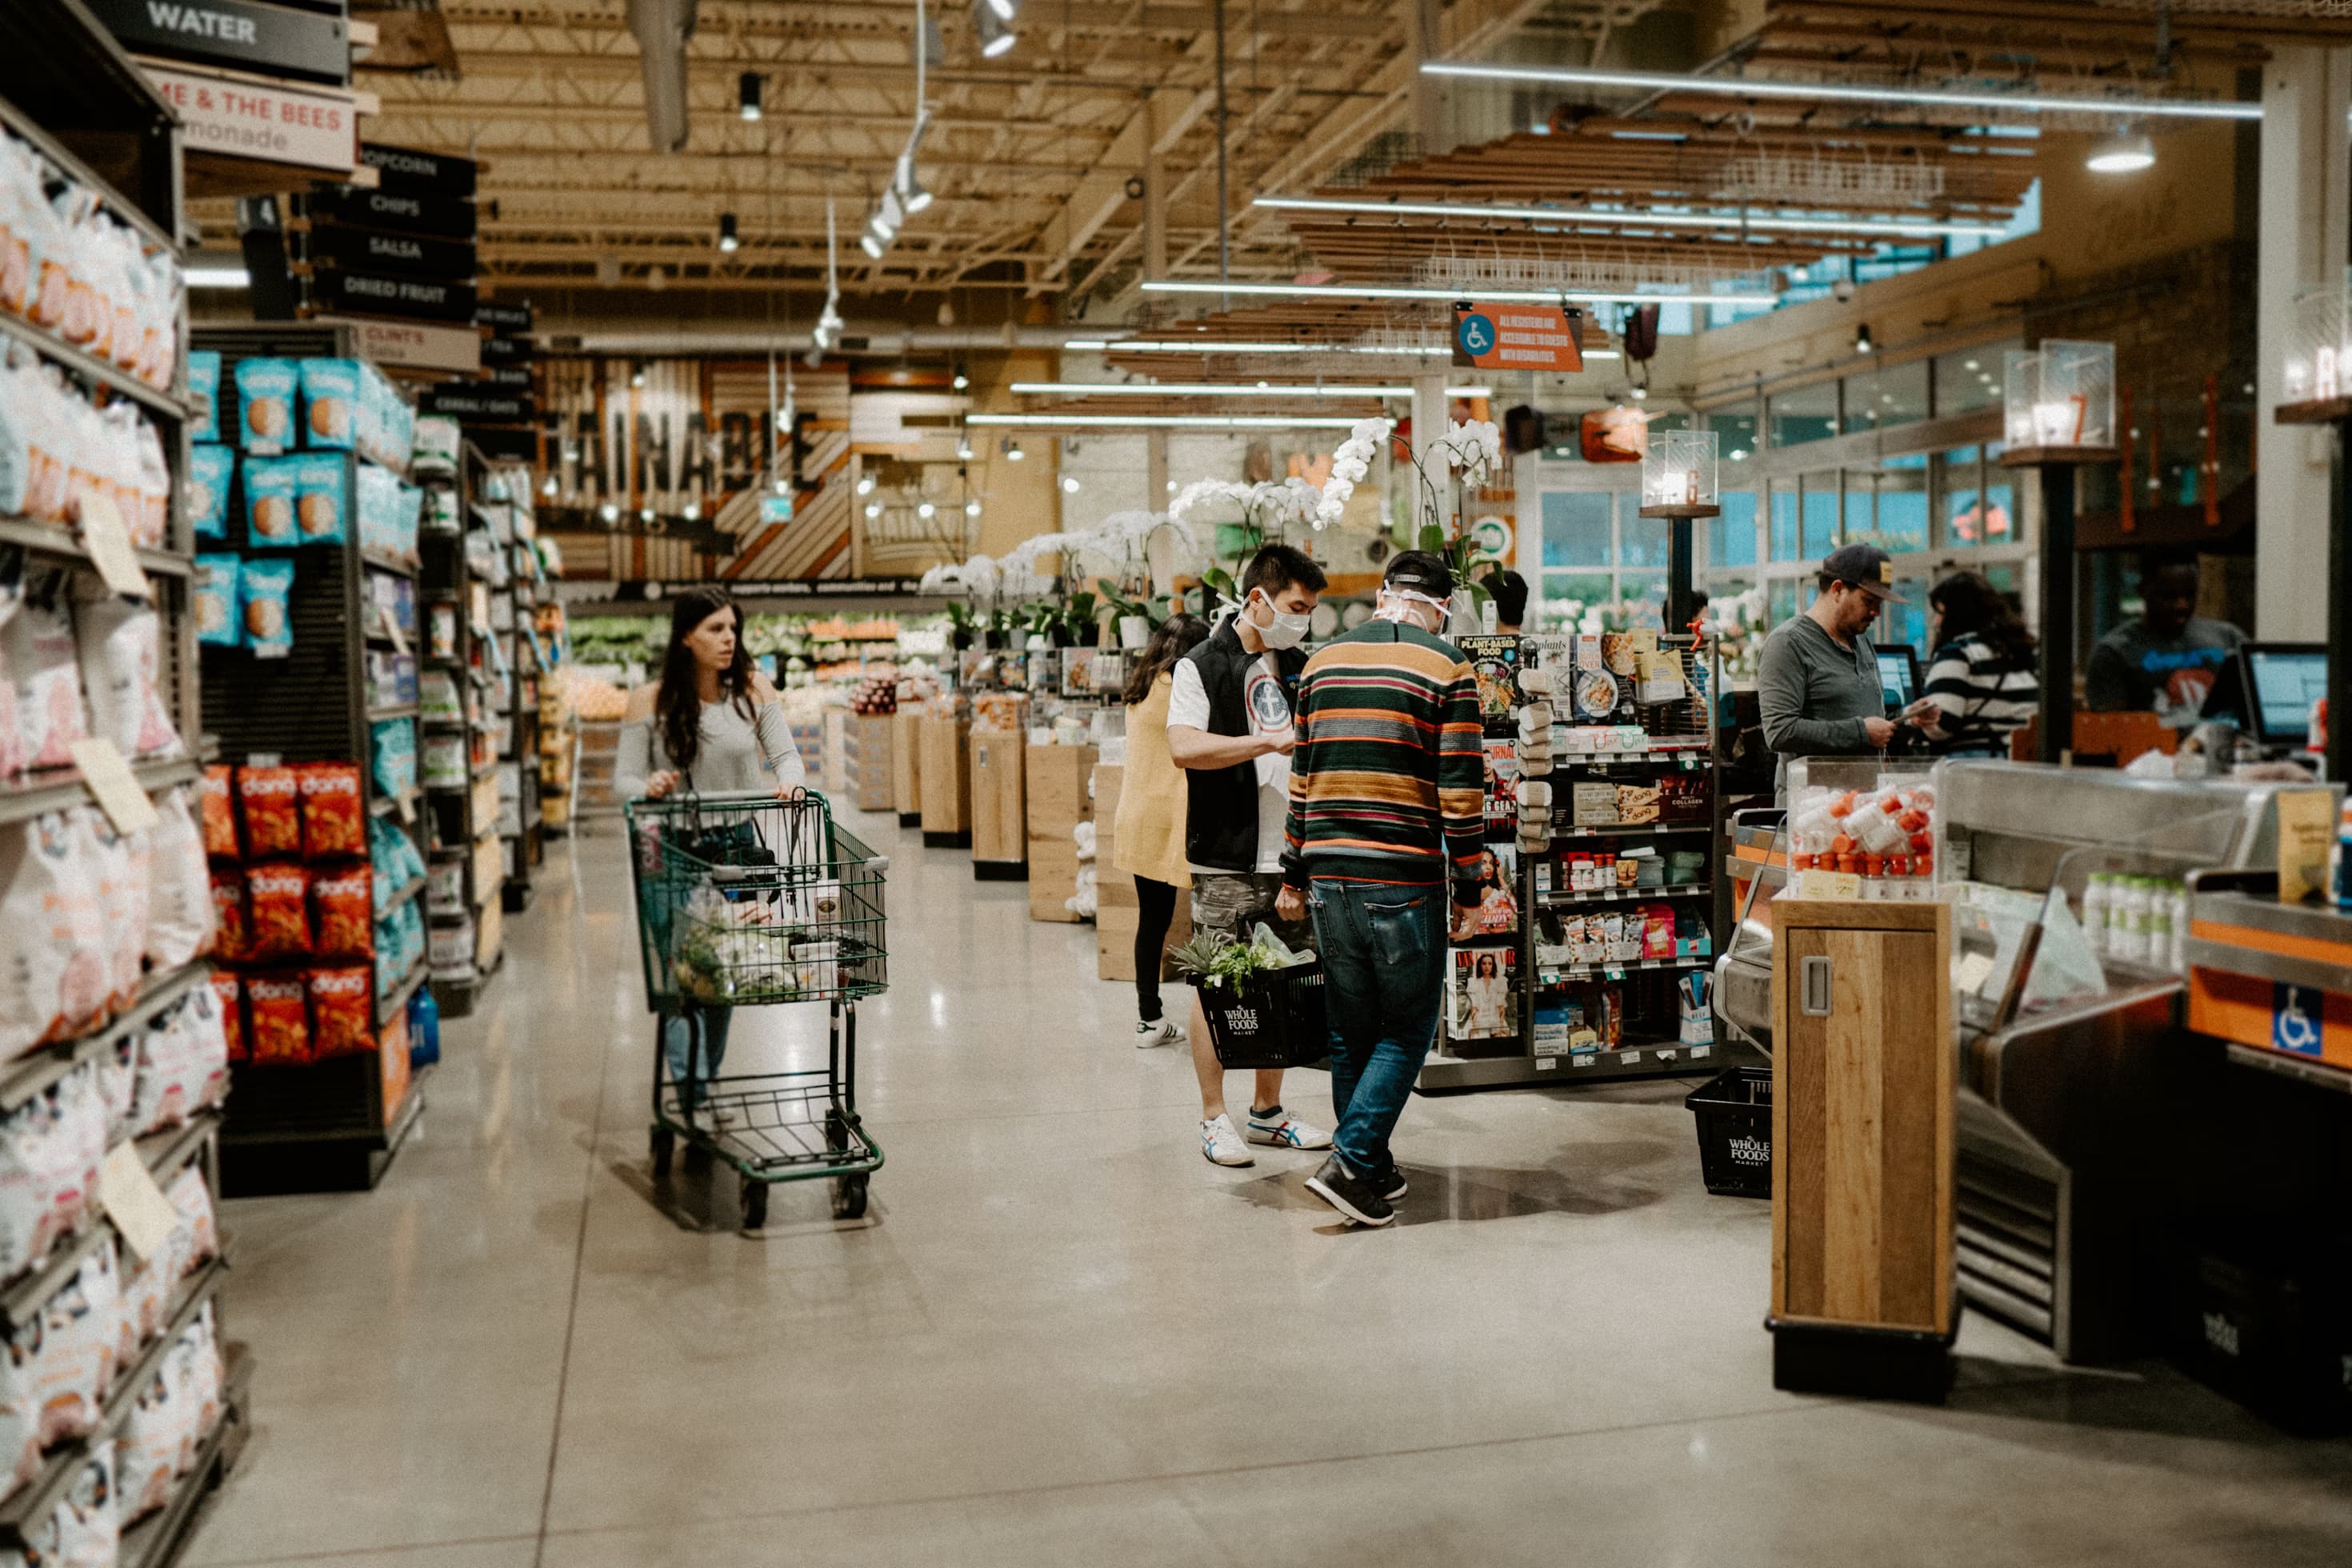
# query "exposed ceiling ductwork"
(662, 28)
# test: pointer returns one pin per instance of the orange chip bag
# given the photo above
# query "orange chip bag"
(218, 812)
(273, 818)
(228, 989)
(279, 1030)
(333, 822)
(279, 896)
(228, 915)
(344, 906)
(342, 1005)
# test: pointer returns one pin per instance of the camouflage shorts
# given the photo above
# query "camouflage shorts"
(1223, 900)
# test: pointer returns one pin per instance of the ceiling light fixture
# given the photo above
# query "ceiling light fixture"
(866, 484)
(693, 511)
(1210, 389)
(927, 511)
(972, 509)
(729, 241)
(963, 447)
(1162, 421)
(1846, 92)
(1013, 452)
(223, 276)
(873, 510)
(996, 30)
(638, 376)
(1862, 344)
(2128, 152)
(1069, 484)
(871, 245)
(1902, 229)
(747, 95)
(960, 381)
(1500, 295)
(911, 194)
(610, 512)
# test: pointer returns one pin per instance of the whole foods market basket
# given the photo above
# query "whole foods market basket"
(748, 900)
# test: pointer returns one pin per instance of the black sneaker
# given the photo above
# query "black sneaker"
(1357, 1199)
(1393, 1186)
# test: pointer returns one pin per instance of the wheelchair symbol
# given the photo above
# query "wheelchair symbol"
(2296, 1013)
(1476, 334)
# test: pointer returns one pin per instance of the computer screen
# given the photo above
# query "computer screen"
(2286, 683)
(1899, 675)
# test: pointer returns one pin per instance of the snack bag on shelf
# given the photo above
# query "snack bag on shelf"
(333, 821)
(266, 586)
(204, 386)
(212, 471)
(82, 1334)
(228, 998)
(53, 978)
(179, 886)
(118, 1080)
(277, 897)
(330, 402)
(235, 941)
(197, 1059)
(124, 864)
(270, 487)
(271, 800)
(278, 1025)
(215, 600)
(343, 1012)
(345, 913)
(120, 645)
(189, 1194)
(265, 391)
(37, 655)
(319, 501)
(147, 1455)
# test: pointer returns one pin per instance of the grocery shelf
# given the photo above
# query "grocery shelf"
(63, 544)
(1626, 895)
(36, 1069)
(155, 1542)
(388, 1007)
(1627, 831)
(54, 789)
(95, 371)
(163, 1153)
(1644, 1059)
(377, 560)
(1548, 975)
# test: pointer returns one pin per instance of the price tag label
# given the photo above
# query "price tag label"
(127, 1190)
(405, 803)
(1630, 1058)
(1613, 975)
(392, 629)
(110, 780)
(107, 540)
(1698, 1051)
(1546, 1064)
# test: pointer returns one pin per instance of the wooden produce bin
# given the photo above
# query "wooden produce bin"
(1863, 1174)
(871, 780)
(1116, 914)
(1000, 837)
(1058, 802)
(906, 765)
(946, 781)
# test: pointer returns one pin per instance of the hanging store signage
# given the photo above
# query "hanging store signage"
(406, 254)
(466, 404)
(371, 294)
(506, 351)
(775, 509)
(503, 318)
(270, 40)
(693, 433)
(238, 119)
(508, 376)
(418, 345)
(1516, 337)
(402, 212)
(419, 173)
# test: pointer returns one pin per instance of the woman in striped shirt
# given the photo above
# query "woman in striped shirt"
(1982, 682)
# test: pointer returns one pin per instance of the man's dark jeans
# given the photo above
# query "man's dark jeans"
(1383, 950)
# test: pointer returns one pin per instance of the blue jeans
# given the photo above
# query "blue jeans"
(687, 1073)
(1384, 968)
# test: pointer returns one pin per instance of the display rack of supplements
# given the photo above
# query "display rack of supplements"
(308, 618)
(1601, 806)
(120, 1402)
(468, 696)
(558, 729)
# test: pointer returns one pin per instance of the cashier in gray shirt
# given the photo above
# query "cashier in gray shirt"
(1817, 685)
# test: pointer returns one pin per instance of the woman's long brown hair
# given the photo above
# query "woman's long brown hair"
(678, 706)
(1176, 636)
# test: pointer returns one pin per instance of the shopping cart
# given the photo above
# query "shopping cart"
(746, 900)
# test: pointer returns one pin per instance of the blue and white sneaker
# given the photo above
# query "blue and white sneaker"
(1221, 1145)
(1286, 1131)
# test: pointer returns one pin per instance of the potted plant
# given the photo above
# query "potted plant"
(1134, 618)
(1081, 619)
(960, 625)
(1000, 629)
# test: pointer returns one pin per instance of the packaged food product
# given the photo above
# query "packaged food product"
(53, 975)
(269, 491)
(270, 799)
(267, 587)
(264, 393)
(120, 645)
(179, 885)
(277, 905)
(122, 863)
(214, 595)
(278, 1030)
(147, 1455)
(81, 1336)
(228, 995)
(345, 911)
(204, 386)
(334, 822)
(233, 932)
(318, 497)
(391, 746)
(182, 1063)
(331, 401)
(216, 809)
(86, 1531)
(436, 440)
(37, 657)
(211, 471)
(189, 1194)
(343, 1012)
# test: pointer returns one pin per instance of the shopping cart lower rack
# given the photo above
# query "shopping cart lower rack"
(746, 900)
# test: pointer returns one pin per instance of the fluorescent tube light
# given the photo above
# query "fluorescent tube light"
(1501, 296)
(1848, 92)
(1901, 228)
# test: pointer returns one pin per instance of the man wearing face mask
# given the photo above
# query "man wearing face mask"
(1384, 842)
(1229, 727)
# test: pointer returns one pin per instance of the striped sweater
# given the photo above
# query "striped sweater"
(1979, 697)
(1389, 781)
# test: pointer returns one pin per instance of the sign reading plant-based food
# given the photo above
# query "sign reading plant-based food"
(1489, 336)
(664, 434)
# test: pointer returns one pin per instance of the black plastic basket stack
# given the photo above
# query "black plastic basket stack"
(1735, 1132)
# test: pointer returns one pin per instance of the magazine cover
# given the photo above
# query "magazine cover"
(1502, 786)
(1498, 891)
(1483, 1000)
(1496, 662)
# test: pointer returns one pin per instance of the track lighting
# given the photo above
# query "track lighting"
(963, 448)
(891, 216)
(996, 35)
(962, 380)
(2127, 152)
(728, 239)
(1069, 484)
(871, 245)
(609, 512)
(645, 514)
(548, 487)
(693, 511)
(1862, 344)
(1005, 10)
(873, 510)
(910, 191)
(747, 95)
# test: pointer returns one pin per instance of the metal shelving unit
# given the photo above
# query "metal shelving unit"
(464, 823)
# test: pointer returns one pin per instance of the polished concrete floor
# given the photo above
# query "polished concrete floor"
(1063, 1338)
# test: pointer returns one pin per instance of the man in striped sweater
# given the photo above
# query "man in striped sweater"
(1384, 840)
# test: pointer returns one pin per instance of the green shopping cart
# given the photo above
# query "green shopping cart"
(747, 901)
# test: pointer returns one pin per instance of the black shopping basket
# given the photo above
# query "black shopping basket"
(1272, 1019)
(1735, 1132)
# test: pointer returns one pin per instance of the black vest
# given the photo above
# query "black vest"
(1221, 803)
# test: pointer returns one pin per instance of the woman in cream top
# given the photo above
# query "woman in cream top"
(1148, 836)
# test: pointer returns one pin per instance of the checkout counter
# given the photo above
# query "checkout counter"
(2105, 1110)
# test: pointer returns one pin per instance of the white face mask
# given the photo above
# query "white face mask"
(1283, 630)
(1398, 605)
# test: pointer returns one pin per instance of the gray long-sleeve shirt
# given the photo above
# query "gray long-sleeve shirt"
(1813, 695)
(738, 753)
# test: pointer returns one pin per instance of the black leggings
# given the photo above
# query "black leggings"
(1159, 902)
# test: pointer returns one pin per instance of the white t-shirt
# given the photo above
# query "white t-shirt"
(1269, 711)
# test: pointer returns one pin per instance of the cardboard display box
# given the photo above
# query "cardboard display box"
(907, 764)
(1057, 783)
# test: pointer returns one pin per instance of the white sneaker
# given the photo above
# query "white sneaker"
(1288, 1132)
(1164, 1032)
(1221, 1145)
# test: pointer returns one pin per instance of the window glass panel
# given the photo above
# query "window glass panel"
(1642, 540)
(1887, 397)
(1575, 528)
(1968, 379)
(1784, 522)
(1960, 503)
(1735, 435)
(1901, 525)
(2000, 508)
(1819, 533)
(1644, 596)
(1731, 538)
(1906, 623)
(1808, 414)
(1782, 602)
(1568, 594)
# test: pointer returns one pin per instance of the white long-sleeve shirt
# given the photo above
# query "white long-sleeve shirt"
(738, 753)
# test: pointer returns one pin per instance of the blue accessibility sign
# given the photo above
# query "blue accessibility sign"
(2297, 1014)
(1476, 333)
